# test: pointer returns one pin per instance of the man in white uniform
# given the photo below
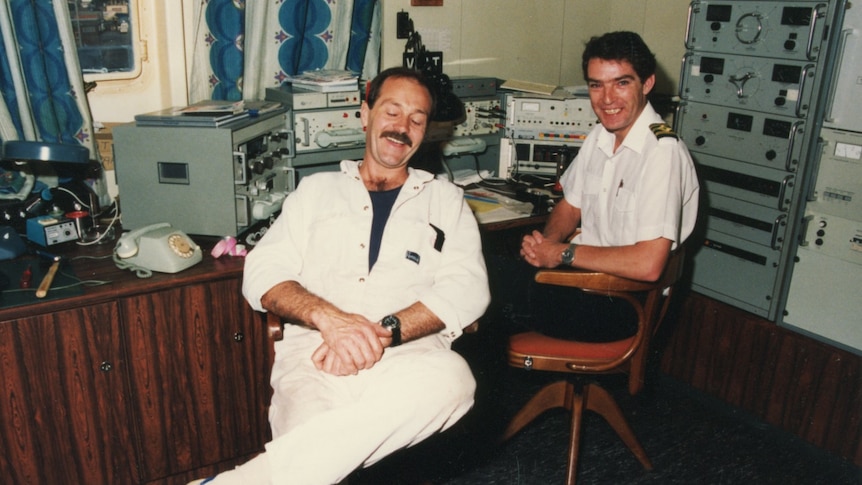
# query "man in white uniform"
(632, 189)
(375, 269)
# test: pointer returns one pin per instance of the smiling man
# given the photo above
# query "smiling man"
(375, 270)
(632, 190)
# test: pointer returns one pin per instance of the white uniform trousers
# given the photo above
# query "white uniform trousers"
(326, 426)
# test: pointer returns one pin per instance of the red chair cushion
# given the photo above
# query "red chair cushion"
(537, 345)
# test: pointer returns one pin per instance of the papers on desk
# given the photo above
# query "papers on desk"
(490, 207)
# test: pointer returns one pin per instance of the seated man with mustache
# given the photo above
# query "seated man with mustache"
(375, 269)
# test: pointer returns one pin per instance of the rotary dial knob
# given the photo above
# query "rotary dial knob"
(181, 246)
(749, 27)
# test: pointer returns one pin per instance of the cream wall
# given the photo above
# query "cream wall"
(536, 40)
(532, 40)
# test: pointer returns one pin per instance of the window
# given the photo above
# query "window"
(106, 38)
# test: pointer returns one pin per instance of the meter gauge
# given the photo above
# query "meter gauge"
(848, 151)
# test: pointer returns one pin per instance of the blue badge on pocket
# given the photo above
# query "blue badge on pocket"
(413, 257)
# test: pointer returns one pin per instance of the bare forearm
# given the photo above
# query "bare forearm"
(292, 302)
(641, 261)
(562, 223)
(418, 321)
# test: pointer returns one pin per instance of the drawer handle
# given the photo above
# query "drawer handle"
(238, 337)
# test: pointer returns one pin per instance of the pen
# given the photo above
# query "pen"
(480, 198)
(47, 255)
(619, 187)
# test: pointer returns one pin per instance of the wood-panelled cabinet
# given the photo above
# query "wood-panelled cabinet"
(198, 362)
(142, 381)
(65, 407)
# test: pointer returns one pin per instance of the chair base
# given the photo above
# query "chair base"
(563, 394)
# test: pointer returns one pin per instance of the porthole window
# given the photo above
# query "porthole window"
(106, 37)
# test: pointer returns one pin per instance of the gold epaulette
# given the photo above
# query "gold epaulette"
(662, 130)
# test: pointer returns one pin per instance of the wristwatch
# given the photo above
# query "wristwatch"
(568, 254)
(392, 323)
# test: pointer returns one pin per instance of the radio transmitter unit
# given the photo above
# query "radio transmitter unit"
(223, 181)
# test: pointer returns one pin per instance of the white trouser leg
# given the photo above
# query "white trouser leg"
(325, 427)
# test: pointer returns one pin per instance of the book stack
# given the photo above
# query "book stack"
(206, 114)
(326, 81)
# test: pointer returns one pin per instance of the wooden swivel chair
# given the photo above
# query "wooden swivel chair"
(533, 351)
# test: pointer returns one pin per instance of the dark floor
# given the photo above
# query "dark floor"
(690, 438)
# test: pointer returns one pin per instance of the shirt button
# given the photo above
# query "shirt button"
(365, 208)
(362, 246)
(362, 280)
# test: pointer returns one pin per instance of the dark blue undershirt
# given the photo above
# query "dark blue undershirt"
(381, 203)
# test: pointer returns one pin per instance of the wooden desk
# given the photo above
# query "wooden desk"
(155, 380)
(523, 222)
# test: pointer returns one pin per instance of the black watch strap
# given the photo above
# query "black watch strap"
(394, 325)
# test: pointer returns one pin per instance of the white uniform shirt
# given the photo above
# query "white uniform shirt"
(321, 240)
(646, 190)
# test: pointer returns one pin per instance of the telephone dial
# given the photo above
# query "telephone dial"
(158, 247)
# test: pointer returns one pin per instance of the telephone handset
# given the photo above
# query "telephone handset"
(158, 247)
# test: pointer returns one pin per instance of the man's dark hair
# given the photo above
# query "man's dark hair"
(621, 46)
(375, 84)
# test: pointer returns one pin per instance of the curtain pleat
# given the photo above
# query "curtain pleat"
(242, 48)
(43, 96)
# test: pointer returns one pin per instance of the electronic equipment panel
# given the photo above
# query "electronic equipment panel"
(327, 129)
(775, 86)
(224, 181)
(838, 187)
(741, 272)
(302, 100)
(466, 87)
(484, 116)
(752, 89)
(543, 134)
(769, 188)
(532, 157)
(751, 136)
(788, 29)
(559, 120)
(824, 295)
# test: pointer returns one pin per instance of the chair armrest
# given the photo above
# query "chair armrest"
(597, 281)
(591, 280)
(274, 327)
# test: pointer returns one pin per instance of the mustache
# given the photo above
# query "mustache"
(397, 136)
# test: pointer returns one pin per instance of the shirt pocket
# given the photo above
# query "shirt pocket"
(625, 201)
(412, 250)
(624, 215)
(592, 189)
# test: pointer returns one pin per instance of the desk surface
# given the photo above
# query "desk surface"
(514, 223)
(94, 263)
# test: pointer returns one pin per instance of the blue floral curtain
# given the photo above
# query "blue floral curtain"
(42, 95)
(242, 48)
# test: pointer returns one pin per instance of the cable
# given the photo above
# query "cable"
(139, 271)
(75, 196)
(486, 180)
(107, 230)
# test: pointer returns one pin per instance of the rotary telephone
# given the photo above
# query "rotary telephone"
(158, 247)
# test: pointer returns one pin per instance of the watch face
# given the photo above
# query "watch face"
(568, 255)
(391, 321)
